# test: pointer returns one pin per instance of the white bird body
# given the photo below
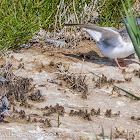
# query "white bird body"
(121, 50)
(113, 50)
(111, 42)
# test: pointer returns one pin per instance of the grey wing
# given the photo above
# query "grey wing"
(107, 35)
(111, 41)
(110, 30)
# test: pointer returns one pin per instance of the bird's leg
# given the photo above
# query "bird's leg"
(118, 64)
(124, 63)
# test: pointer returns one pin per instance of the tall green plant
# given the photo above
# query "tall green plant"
(19, 20)
(132, 27)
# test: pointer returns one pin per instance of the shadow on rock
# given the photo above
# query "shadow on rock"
(93, 57)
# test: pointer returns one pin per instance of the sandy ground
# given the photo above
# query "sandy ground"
(85, 103)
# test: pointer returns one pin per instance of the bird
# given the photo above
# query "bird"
(112, 43)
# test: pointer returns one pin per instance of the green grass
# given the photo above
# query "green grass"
(58, 121)
(19, 20)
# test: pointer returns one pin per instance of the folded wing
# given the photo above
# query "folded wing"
(108, 35)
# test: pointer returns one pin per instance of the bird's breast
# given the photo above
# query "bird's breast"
(119, 51)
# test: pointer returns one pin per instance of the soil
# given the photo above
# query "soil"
(54, 94)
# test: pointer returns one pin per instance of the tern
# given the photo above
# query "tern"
(112, 43)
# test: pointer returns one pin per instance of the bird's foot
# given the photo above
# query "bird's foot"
(121, 68)
(124, 63)
(119, 65)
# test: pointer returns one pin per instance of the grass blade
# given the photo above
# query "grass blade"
(111, 134)
(103, 133)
